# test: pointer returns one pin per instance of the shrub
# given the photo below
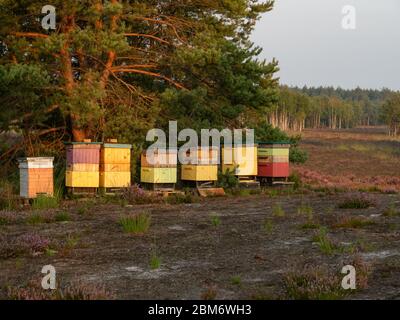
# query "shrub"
(313, 284)
(181, 199)
(136, 195)
(227, 179)
(26, 244)
(75, 291)
(358, 201)
(136, 223)
(298, 156)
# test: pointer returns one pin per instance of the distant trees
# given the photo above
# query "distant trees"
(333, 108)
(391, 114)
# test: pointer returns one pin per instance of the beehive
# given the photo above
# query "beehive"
(241, 160)
(115, 165)
(160, 168)
(273, 160)
(158, 175)
(36, 177)
(202, 166)
(83, 164)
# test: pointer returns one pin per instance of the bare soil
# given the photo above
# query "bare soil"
(200, 260)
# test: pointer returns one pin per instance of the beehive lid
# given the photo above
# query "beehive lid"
(277, 143)
(117, 145)
(81, 143)
(36, 162)
(35, 159)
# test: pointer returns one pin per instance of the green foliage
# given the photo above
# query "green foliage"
(228, 180)
(62, 216)
(215, 220)
(136, 224)
(155, 262)
(43, 202)
(277, 211)
(298, 156)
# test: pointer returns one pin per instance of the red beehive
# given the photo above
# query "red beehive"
(273, 160)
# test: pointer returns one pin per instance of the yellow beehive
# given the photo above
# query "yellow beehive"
(115, 154)
(199, 172)
(276, 152)
(115, 179)
(203, 156)
(77, 179)
(82, 164)
(115, 165)
(241, 160)
(158, 175)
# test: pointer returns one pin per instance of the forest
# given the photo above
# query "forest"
(335, 108)
(119, 68)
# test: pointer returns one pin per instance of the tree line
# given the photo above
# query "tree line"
(335, 108)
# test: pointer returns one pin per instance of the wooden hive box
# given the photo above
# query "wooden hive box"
(160, 159)
(158, 175)
(273, 160)
(192, 172)
(36, 177)
(203, 156)
(241, 160)
(83, 164)
(115, 165)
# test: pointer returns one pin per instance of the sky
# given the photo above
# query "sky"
(308, 39)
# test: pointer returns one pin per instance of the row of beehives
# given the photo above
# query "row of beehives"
(108, 165)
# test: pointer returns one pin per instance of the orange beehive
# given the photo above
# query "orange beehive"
(36, 177)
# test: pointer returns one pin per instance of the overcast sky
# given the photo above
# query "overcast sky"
(313, 49)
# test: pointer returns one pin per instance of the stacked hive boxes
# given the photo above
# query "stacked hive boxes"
(36, 177)
(159, 168)
(273, 160)
(241, 160)
(115, 165)
(83, 164)
(203, 166)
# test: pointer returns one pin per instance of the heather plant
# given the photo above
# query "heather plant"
(313, 284)
(29, 243)
(357, 201)
(77, 290)
(7, 217)
(215, 220)
(136, 195)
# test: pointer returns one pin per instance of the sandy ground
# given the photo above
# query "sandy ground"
(238, 259)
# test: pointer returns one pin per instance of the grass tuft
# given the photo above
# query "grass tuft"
(136, 223)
